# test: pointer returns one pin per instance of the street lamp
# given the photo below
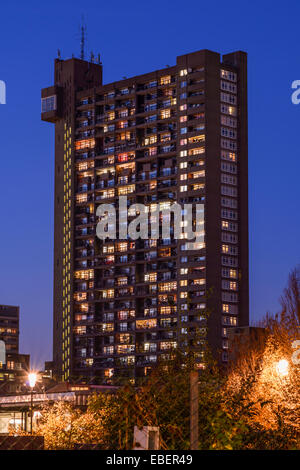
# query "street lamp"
(32, 377)
(282, 368)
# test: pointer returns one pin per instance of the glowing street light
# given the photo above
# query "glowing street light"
(282, 368)
(32, 378)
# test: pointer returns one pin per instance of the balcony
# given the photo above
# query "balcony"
(102, 184)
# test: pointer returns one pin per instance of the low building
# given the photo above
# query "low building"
(15, 409)
(243, 339)
(13, 374)
(49, 369)
(9, 327)
(14, 367)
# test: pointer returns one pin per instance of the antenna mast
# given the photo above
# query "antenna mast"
(82, 40)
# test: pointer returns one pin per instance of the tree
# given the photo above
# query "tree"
(254, 405)
(163, 400)
(64, 426)
(290, 300)
(271, 395)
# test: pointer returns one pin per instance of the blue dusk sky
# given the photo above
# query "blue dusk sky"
(136, 37)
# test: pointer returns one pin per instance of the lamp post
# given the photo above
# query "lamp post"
(32, 381)
(194, 410)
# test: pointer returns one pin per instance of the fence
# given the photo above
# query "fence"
(21, 443)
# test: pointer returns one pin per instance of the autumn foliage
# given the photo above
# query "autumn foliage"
(252, 405)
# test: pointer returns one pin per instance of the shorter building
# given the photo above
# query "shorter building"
(48, 372)
(13, 374)
(15, 409)
(243, 339)
(14, 367)
(9, 327)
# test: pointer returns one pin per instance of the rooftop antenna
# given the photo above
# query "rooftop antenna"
(92, 57)
(82, 39)
(58, 54)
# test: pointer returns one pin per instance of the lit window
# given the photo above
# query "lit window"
(88, 274)
(199, 281)
(165, 310)
(80, 330)
(146, 324)
(165, 114)
(109, 293)
(124, 157)
(107, 327)
(126, 190)
(122, 246)
(228, 75)
(198, 174)
(168, 286)
(196, 151)
(165, 137)
(107, 194)
(150, 140)
(87, 143)
(230, 156)
(151, 277)
(225, 224)
(122, 281)
(168, 345)
(197, 138)
(152, 150)
(123, 124)
(108, 248)
(124, 136)
(196, 187)
(165, 80)
(81, 198)
(108, 372)
(231, 321)
(108, 350)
